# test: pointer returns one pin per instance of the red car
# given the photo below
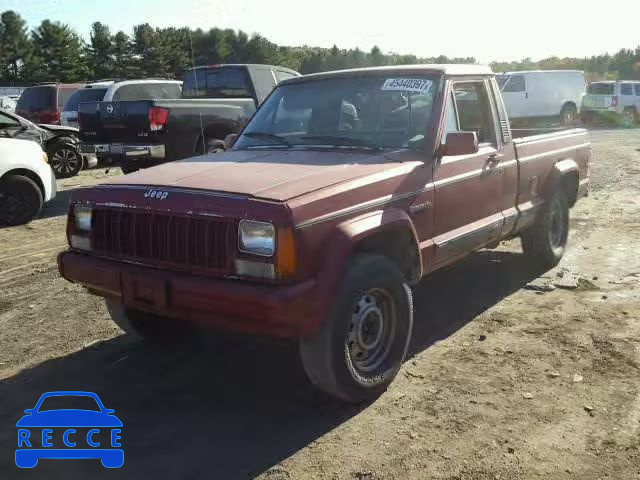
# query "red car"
(343, 190)
(44, 103)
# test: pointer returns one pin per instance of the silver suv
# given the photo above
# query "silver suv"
(618, 101)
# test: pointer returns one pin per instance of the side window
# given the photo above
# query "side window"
(515, 84)
(64, 94)
(451, 119)
(637, 87)
(625, 89)
(474, 110)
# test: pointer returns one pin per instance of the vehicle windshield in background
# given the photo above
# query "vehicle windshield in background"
(228, 82)
(147, 91)
(84, 95)
(359, 112)
(600, 89)
(502, 79)
(35, 99)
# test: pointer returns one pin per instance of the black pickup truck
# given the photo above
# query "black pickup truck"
(216, 100)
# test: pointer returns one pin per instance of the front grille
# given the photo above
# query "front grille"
(164, 238)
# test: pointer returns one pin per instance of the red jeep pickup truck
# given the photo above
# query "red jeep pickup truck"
(343, 190)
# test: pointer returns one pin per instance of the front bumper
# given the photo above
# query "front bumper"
(279, 310)
(124, 151)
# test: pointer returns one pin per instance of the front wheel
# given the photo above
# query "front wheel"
(20, 200)
(544, 243)
(628, 118)
(359, 350)
(65, 159)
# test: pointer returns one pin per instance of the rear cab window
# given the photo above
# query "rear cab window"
(217, 82)
(35, 99)
(147, 91)
(84, 95)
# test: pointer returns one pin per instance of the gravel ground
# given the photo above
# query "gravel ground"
(513, 374)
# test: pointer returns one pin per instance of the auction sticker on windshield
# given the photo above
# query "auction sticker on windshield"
(417, 85)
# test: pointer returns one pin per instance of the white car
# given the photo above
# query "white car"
(543, 94)
(26, 181)
(614, 100)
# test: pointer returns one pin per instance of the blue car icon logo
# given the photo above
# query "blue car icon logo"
(52, 430)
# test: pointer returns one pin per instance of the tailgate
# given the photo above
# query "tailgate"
(115, 122)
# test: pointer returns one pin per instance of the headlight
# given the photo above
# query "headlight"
(82, 218)
(257, 238)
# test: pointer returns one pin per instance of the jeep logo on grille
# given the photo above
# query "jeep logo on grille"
(157, 194)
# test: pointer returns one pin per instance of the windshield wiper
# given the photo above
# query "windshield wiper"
(339, 141)
(270, 136)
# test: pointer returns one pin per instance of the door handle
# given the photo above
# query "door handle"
(526, 95)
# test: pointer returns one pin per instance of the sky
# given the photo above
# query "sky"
(487, 30)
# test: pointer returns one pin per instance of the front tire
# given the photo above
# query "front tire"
(20, 200)
(358, 351)
(65, 159)
(544, 243)
(628, 118)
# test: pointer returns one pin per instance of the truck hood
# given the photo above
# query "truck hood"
(274, 174)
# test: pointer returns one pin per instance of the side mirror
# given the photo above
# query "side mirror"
(29, 411)
(460, 143)
(109, 411)
(229, 140)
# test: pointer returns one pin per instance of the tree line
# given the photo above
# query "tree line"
(53, 51)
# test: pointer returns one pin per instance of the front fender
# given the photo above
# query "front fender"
(340, 246)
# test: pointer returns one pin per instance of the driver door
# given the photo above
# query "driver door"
(468, 188)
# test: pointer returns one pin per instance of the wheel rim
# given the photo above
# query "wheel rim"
(556, 226)
(627, 119)
(568, 117)
(65, 161)
(371, 331)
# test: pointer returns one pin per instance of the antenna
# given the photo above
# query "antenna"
(195, 76)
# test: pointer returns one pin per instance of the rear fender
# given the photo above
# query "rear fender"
(565, 174)
(344, 242)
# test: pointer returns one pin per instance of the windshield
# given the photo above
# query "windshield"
(357, 112)
(84, 95)
(502, 79)
(600, 89)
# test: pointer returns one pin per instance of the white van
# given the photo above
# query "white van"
(539, 94)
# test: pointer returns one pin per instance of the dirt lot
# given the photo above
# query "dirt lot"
(504, 382)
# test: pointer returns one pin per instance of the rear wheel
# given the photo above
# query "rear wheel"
(65, 159)
(628, 118)
(20, 200)
(569, 115)
(358, 351)
(545, 241)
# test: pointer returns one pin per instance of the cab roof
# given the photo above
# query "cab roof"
(419, 69)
